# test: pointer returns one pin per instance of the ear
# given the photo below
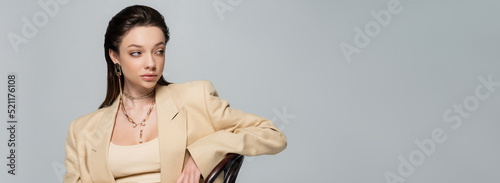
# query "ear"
(114, 56)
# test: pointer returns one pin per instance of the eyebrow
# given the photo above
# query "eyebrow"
(160, 43)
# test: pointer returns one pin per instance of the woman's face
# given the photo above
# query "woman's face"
(142, 57)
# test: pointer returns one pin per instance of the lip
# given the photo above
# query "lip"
(149, 77)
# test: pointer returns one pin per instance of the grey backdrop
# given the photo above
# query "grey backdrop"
(361, 96)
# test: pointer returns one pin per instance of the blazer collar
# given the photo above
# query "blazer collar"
(171, 124)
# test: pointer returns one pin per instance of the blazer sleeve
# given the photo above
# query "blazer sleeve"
(235, 132)
(72, 174)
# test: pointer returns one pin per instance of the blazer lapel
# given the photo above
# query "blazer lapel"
(98, 146)
(171, 123)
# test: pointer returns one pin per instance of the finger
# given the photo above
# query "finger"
(186, 179)
(191, 177)
(180, 179)
(197, 177)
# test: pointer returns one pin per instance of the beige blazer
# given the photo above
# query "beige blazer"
(190, 117)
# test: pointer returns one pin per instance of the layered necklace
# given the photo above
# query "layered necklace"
(143, 122)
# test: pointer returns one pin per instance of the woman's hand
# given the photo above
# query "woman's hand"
(191, 172)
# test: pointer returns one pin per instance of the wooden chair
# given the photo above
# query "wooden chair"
(230, 165)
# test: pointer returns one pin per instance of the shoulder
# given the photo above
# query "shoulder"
(192, 88)
(88, 121)
(191, 93)
(190, 85)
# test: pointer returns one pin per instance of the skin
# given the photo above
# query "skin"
(142, 51)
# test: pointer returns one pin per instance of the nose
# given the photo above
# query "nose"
(150, 62)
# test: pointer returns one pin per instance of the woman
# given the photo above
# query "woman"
(150, 130)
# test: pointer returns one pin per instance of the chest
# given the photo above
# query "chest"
(124, 133)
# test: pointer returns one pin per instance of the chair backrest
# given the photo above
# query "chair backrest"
(230, 165)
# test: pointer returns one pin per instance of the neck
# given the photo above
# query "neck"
(138, 103)
(146, 101)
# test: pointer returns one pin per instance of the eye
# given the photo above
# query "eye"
(135, 53)
(160, 52)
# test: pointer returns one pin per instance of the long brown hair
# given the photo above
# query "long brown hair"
(118, 26)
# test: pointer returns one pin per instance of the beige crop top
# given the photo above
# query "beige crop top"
(135, 163)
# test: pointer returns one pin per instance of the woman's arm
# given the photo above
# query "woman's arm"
(235, 132)
(71, 162)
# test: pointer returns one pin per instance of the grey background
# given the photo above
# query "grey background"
(345, 121)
